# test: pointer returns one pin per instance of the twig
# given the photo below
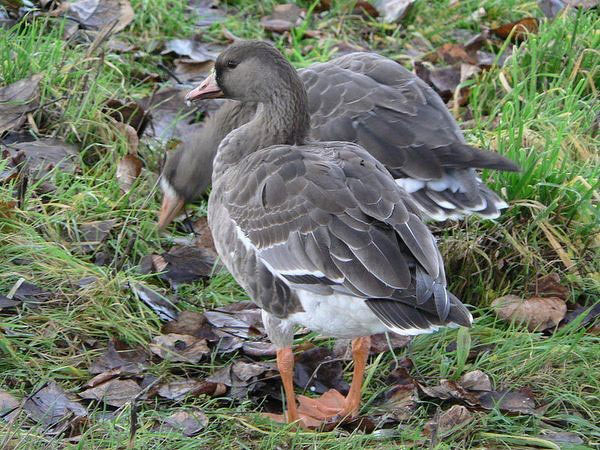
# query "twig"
(133, 423)
(170, 73)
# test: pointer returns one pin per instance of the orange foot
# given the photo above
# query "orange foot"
(331, 407)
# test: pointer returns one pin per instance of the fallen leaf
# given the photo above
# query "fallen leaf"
(103, 377)
(510, 401)
(184, 264)
(401, 400)
(44, 155)
(565, 439)
(114, 392)
(283, 18)
(178, 389)
(549, 286)
(239, 387)
(193, 49)
(30, 293)
(590, 315)
(451, 53)
(6, 302)
(584, 4)
(226, 343)
(119, 357)
(8, 406)
(119, 46)
(97, 14)
(448, 389)
(92, 234)
(365, 8)
(189, 70)
(128, 169)
(259, 348)
(244, 323)
(393, 10)
(246, 371)
(538, 313)
(130, 113)
(16, 100)
(161, 305)
(384, 342)
(316, 371)
(551, 8)
(203, 238)
(179, 347)
(521, 28)
(189, 423)
(443, 80)
(51, 405)
(476, 380)
(171, 117)
(191, 323)
(207, 11)
(449, 422)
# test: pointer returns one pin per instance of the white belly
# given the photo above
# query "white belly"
(337, 315)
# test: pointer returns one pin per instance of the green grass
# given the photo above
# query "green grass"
(538, 110)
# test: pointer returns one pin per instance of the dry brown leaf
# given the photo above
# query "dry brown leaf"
(43, 155)
(171, 117)
(128, 170)
(178, 389)
(130, 113)
(8, 406)
(521, 29)
(184, 264)
(188, 70)
(96, 14)
(393, 10)
(549, 286)
(51, 405)
(317, 371)
(92, 234)
(125, 359)
(476, 380)
(191, 323)
(193, 49)
(509, 401)
(259, 349)
(449, 422)
(203, 238)
(16, 100)
(190, 423)
(114, 392)
(537, 313)
(179, 347)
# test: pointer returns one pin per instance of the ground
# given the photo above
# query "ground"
(540, 109)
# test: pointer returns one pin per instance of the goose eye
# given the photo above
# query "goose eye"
(232, 64)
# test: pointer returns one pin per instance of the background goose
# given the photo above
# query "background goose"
(375, 102)
(318, 234)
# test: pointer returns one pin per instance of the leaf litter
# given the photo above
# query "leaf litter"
(18, 99)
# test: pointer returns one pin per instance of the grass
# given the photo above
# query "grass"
(538, 110)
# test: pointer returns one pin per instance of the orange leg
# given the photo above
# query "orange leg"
(360, 353)
(285, 364)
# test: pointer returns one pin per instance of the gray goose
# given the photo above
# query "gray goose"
(373, 101)
(319, 234)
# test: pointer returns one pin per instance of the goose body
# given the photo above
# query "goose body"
(373, 101)
(319, 234)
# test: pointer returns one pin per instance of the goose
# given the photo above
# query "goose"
(373, 101)
(318, 234)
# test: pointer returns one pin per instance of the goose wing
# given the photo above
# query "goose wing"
(329, 216)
